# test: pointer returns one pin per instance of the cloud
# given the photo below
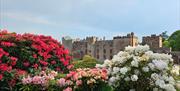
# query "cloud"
(25, 17)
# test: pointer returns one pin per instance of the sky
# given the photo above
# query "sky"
(82, 18)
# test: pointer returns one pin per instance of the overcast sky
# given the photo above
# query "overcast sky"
(81, 18)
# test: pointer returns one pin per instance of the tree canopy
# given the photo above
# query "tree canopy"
(173, 41)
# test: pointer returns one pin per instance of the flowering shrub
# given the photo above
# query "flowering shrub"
(30, 52)
(138, 68)
(87, 79)
(79, 80)
(40, 81)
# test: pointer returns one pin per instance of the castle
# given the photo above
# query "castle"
(102, 49)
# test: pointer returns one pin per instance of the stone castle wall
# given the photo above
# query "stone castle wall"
(105, 49)
(100, 49)
(153, 41)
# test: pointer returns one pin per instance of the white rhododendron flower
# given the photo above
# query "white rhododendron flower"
(154, 76)
(127, 79)
(145, 69)
(134, 77)
(115, 70)
(134, 63)
(151, 65)
(169, 87)
(160, 83)
(132, 90)
(141, 49)
(140, 68)
(137, 72)
(176, 70)
(129, 49)
(112, 80)
(160, 64)
(123, 70)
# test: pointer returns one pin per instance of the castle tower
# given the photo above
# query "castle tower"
(133, 39)
(90, 45)
(91, 40)
(67, 42)
(153, 41)
(120, 42)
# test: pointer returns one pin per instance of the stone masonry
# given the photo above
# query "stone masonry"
(102, 49)
(99, 49)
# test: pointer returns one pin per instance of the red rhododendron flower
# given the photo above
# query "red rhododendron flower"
(58, 69)
(7, 54)
(8, 44)
(12, 82)
(1, 77)
(53, 62)
(35, 66)
(13, 58)
(1, 55)
(4, 67)
(43, 63)
(62, 59)
(26, 64)
(20, 72)
(66, 51)
(65, 63)
(34, 56)
(44, 68)
(13, 63)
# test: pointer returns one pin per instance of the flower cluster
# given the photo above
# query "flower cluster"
(42, 78)
(84, 78)
(138, 68)
(30, 52)
(80, 80)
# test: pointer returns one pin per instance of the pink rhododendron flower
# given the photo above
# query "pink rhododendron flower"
(61, 82)
(78, 82)
(69, 82)
(68, 89)
(53, 73)
(36, 80)
(27, 80)
(70, 66)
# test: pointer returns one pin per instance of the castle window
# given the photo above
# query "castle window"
(97, 50)
(111, 51)
(97, 56)
(111, 57)
(104, 50)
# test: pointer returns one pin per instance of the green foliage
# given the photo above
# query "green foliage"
(87, 62)
(166, 43)
(174, 41)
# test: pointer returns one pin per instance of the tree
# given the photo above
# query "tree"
(174, 41)
(164, 36)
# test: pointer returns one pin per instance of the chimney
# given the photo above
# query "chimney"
(104, 38)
